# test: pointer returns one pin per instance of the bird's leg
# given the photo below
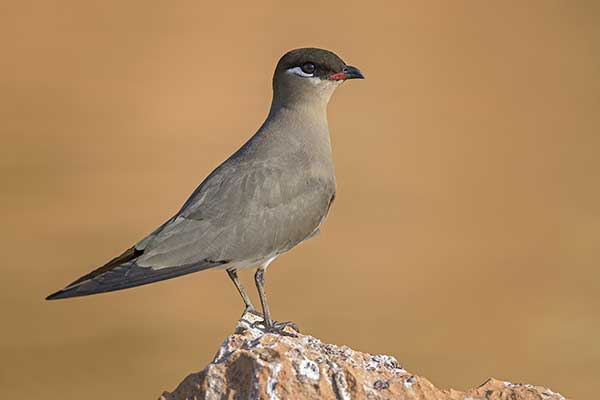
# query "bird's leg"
(270, 325)
(259, 278)
(238, 284)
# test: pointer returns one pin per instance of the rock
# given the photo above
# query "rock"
(252, 364)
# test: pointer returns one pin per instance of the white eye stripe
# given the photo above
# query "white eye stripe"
(298, 71)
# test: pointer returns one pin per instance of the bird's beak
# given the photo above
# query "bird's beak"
(349, 72)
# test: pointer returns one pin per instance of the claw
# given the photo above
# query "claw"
(279, 328)
(291, 324)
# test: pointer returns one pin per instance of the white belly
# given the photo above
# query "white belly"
(262, 263)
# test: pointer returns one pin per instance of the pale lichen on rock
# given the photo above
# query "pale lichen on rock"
(253, 364)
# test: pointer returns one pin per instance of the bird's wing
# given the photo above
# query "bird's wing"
(243, 212)
(239, 213)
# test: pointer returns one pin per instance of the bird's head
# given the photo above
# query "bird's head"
(309, 76)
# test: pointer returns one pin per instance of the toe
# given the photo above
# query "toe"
(279, 328)
(291, 324)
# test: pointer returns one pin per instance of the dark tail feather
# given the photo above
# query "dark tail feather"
(122, 272)
(128, 255)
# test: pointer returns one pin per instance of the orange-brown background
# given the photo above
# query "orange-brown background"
(465, 235)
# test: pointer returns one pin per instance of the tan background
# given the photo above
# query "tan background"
(465, 235)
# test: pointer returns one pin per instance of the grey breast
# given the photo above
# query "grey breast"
(270, 195)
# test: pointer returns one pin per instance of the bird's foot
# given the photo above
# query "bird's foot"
(279, 328)
(255, 319)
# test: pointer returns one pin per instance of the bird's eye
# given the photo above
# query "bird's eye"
(308, 68)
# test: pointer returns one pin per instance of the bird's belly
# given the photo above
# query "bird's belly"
(248, 264)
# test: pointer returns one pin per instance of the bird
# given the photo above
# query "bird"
(273, 193)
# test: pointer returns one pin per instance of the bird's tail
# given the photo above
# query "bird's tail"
(122, 272)
(128, 255)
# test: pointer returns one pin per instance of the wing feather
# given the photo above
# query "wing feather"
(252, 214)
(247, 209)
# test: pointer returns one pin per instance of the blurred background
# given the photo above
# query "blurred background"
(465, 235)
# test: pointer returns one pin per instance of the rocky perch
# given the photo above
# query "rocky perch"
(252, 364)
